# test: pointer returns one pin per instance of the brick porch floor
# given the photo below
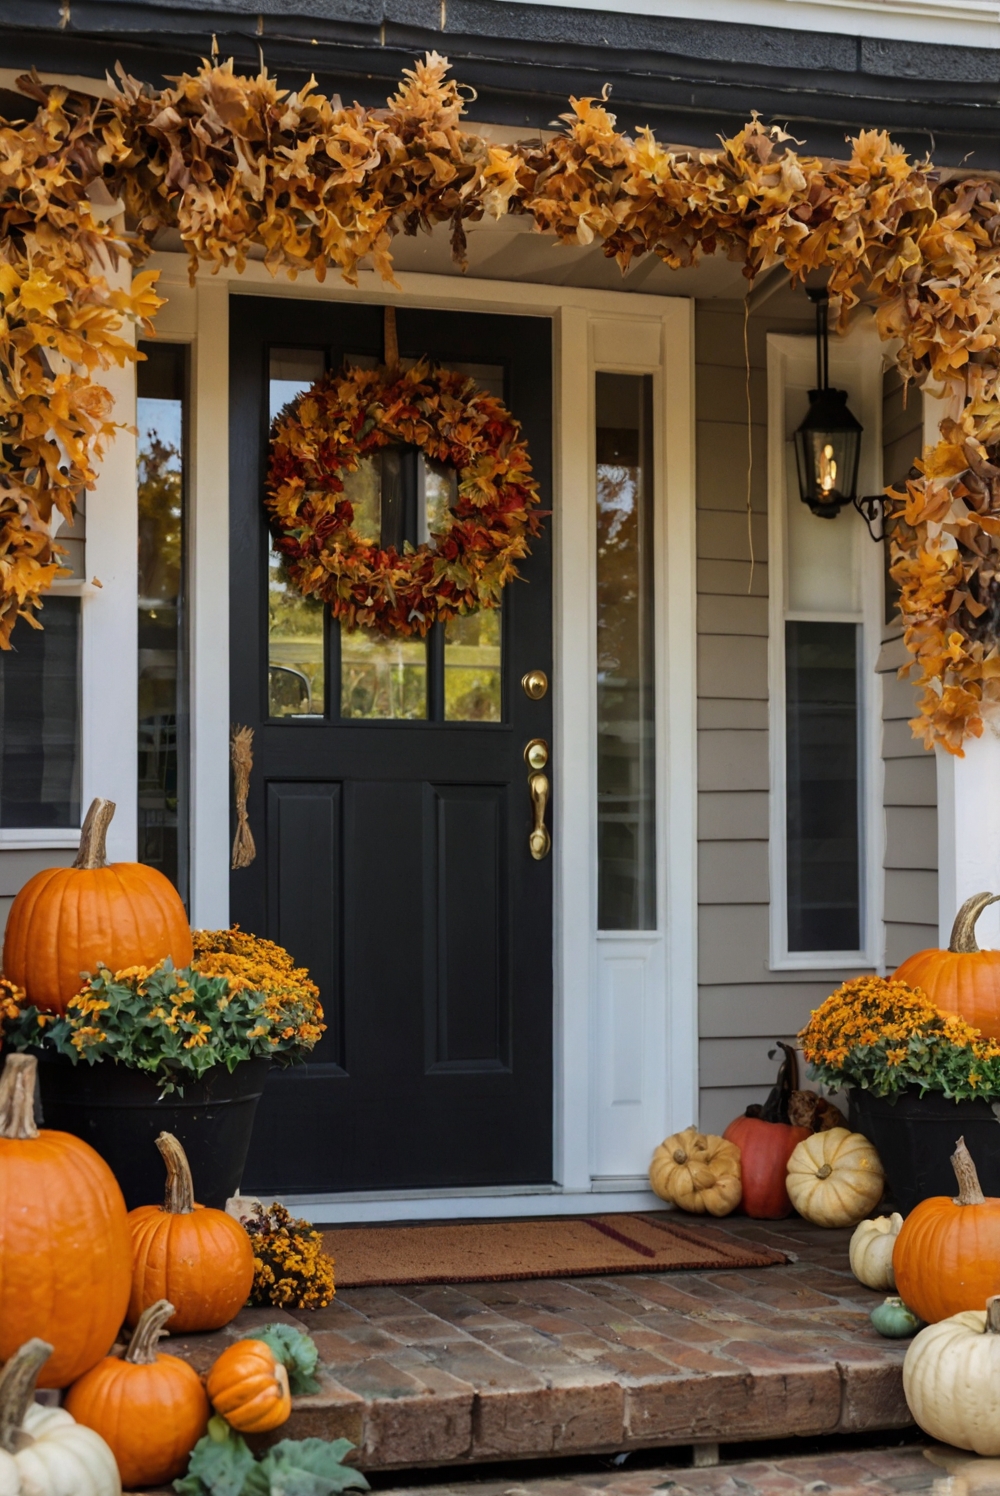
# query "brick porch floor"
(441, 1375)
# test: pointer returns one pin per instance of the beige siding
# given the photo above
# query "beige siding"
(744, 1006)
(910, 776)
(17, 867)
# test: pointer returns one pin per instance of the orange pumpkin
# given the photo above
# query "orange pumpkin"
(150, 1408)
(65, 1255)
(947, 1255)
(198, 1258)
(963, 979)
(68, 920)
(766, 1140)
(248, 1385)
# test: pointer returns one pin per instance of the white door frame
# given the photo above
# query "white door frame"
(592, 330)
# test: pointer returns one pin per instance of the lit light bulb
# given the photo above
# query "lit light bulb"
(827, 470)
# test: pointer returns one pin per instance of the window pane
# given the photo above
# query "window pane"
(162, 725)
(40, 710)
(626, 798)
(382, 677)
(823, 800)
(296, 634)
(472, 667)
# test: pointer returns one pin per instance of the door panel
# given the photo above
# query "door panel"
(469, 990)
(389, 801)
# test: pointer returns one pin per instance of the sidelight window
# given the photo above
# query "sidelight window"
(626, 793)
(317, 670)
(161, 387)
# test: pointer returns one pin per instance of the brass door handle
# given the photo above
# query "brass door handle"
(539, 842)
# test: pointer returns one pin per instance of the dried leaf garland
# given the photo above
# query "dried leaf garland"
(232, 163)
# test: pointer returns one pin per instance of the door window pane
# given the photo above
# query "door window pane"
(162, 813)
(823, 799)
(626, 795)
(40, 713)
(472, 667)
(380, 677)
(296, 631)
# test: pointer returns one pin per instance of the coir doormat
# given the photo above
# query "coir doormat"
(495, 1251)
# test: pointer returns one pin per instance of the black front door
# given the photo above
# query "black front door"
(389, 799)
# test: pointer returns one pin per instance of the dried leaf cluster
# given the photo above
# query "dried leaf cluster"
(325, 434)
(235, 165)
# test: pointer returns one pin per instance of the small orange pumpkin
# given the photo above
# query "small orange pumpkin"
(963, 979)
(198, 1258)
(68, 920)
(248, 1385)
(150, 1408)
(947, 1255)
(65, 1256)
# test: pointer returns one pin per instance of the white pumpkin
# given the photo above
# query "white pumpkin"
(951, 1378)
(43, 1451)
(871, 1252)
(835, 1178)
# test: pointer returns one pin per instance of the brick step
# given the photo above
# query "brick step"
(455, 1375)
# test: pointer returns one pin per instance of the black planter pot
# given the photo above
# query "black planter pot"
(117, 1111)
(916, 1137)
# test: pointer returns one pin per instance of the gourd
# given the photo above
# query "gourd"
(947, 1256)
(951, 1379)
(894, 1319)
(697, 1171)
(148, 1407)
(43, 1452)
(963, 979)
(248, 1385)
(198, 1258)
(835, 1178)
(65, 1253)
(766, 1140)
(871, 1252)
(68, 920)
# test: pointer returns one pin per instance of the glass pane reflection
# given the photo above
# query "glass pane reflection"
(626, 804)
(472, 667)
(296, 652)
(382, 678)
(162, 715)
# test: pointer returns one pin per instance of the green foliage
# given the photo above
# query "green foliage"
(297, 1353)
(174, 1025)
(222, 1465)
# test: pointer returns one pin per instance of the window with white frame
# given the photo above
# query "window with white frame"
(824, 639)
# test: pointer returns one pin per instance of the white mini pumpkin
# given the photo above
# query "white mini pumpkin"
(951, 1378)
(43, 1451)
(835, 1178)
(871, 1252)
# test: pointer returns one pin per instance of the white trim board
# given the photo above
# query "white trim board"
(597, 1140)
(855, 365)
(450, 1205)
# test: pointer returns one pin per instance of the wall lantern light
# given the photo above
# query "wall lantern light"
(828, 443)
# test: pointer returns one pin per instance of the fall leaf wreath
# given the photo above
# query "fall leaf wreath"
(326, 434)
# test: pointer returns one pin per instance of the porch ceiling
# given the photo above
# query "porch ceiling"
(511, 249)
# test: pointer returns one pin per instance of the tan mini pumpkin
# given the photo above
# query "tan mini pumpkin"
(871, 1252)
(951, 1379)
(835, 1178)
(697, 1171)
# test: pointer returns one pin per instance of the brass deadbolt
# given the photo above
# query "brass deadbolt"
(536, 754)
(535, 684)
